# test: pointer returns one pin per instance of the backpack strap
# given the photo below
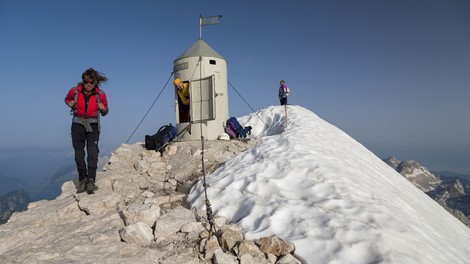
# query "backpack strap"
(98, 101)
(75, 95)
(98, 96)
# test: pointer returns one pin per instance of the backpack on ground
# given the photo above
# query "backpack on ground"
(160, 140)
(235, 130)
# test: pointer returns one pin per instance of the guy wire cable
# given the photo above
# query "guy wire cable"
(248, 104)
(149, 108)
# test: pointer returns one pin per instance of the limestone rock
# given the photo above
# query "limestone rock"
(220, 257)
(247, 247)
(209, 246)
(229, 239)
(100, 203)
(275, 246)
(249, 259)
(288, 259)
(193, 227)
(146, 213)
(173, 221)
(138, 233)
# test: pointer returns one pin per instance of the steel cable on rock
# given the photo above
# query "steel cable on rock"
(209, 212)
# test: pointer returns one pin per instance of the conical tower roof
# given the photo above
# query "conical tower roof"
(200, 48)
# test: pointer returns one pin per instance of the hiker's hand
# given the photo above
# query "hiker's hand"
(101, 106)
(71, 103)
(187, 101)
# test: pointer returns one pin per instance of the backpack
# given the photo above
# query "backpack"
(235, 130)
(98, 96)
(98, 101)
(283, 91)
(159, 141)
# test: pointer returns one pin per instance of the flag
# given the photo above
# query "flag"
(211, 20)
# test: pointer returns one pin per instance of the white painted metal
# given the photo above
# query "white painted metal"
(206, 72)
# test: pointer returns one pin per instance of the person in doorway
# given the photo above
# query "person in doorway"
(87, 102)
(283, 92)
(182, 89)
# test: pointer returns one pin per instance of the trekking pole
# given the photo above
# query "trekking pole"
(285, 107)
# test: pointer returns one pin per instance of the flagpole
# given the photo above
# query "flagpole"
(200, 26)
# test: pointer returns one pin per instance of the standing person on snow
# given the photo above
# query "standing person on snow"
(87, 101)
(283, 92)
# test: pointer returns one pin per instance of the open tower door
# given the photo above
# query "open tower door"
(202, 99)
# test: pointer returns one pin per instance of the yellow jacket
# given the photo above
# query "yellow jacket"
(184, 94)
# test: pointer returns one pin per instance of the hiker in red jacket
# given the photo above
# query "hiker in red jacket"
(87, 102)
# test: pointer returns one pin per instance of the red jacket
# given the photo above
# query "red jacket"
(86, 105)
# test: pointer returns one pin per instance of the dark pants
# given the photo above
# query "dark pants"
(283, 100)
(80, 138)
(183, 111)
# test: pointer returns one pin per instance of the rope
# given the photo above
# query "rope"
(149, 108)
(248, 105)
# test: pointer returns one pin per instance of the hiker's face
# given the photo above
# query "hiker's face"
(180, 86)
(89, 83)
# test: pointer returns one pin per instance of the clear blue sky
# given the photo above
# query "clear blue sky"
(393, 74)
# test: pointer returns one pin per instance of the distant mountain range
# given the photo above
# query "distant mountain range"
(448, 190)
(15, 201)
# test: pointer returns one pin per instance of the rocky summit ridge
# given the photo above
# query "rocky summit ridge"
(138, 215)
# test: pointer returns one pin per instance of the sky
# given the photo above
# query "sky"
(394, 75)
(330, 196)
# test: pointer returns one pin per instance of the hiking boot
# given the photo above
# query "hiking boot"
(81, 186)
(91, 187)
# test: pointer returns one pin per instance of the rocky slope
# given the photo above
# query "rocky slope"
(137, 216)
(420, 176)
(449, 193)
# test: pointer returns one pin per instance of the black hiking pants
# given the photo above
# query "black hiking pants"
(80, 139)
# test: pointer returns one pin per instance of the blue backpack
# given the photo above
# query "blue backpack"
(235, 130)
(160, 140)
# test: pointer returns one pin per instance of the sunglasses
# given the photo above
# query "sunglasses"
(92, 82)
